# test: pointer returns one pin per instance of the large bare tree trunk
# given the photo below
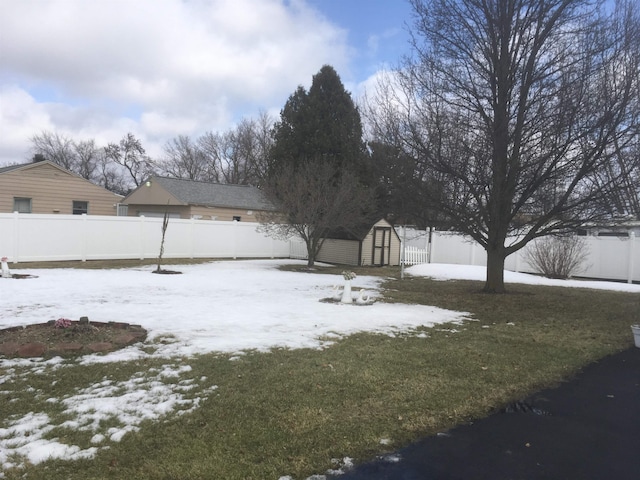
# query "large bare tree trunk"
(495, 270)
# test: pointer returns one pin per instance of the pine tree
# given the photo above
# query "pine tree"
(322, 123)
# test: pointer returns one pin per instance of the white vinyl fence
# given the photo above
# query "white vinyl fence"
(610, 258)
(34, 237)
(415, 255)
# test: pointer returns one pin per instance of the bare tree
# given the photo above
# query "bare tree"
(109, 175)
(56, 148)
(87, 158)
(517, 106)
(311, 202)
(237, 156)
(184, 158)
(130, 154)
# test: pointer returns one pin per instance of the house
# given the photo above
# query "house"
(193, 199)
(621, 228)
(365, 245)
(45, 187)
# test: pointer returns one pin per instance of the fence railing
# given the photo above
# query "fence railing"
(34, 237)
(610, 258)
(415, 255)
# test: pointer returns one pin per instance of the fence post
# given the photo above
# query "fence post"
(193, 237)
(432, 245)
(16, 237)
(141, 237)
(235, 239)
(632, 257)
(85, 240)
(472, 253)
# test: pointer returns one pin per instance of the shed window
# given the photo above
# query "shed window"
(237, 218)
(80, 207)
(21, 205)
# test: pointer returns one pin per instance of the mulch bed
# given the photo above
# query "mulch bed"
(78, 338)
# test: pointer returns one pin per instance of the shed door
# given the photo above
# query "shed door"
(381, 245)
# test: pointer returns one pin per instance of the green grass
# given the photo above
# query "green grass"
(290, 412)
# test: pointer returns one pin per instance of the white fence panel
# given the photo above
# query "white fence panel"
(32, 237)
(610, 258)
(298, 249)
(415, 256)
(453, 248)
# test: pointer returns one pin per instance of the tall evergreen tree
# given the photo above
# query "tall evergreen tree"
(322, 123)
(316, 173)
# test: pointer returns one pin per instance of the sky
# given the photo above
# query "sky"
(163, 68)
(226, 306)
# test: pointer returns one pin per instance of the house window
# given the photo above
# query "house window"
(21, 205)
(237, 218)
(80, 207)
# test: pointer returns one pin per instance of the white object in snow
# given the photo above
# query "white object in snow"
(363, 298)
(346, 293)
(337, 293)
(6, 273)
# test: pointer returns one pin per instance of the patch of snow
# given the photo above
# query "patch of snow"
(445, 271)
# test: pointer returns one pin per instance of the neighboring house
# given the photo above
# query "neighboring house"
(200, 200)
(621, 228)
(367, 245)
(44, 187)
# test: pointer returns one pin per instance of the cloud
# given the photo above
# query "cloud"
(158, 68)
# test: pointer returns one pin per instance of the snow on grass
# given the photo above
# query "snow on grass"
(120, 405)
(218, 307)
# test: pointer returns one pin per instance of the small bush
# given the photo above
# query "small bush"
(557, 257)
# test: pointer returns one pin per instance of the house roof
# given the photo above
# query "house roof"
(23, 165)
(215, 194)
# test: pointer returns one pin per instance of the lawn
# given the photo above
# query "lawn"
(339, 385)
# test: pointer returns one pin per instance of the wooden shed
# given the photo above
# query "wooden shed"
(367, 245)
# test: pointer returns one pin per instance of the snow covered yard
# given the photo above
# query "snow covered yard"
(226, 307)
(217, 307)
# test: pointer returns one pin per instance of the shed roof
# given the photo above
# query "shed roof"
(356, 232)
(215, 194)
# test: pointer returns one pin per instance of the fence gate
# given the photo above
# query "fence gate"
(381, 246)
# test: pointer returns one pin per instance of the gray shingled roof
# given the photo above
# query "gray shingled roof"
(215, 194)
(12, 167)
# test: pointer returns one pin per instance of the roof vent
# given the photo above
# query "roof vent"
(38, 157)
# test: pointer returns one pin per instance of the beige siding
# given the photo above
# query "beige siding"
(135, 210)
(186, 212)
(224, 214)
(52, 190)
(342, 252)
(367, 246)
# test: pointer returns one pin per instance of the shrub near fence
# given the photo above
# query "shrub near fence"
(33, 237)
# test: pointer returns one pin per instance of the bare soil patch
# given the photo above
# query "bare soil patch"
(68, 338)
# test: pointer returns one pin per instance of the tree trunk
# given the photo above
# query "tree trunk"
(495, 271)
(311, 253)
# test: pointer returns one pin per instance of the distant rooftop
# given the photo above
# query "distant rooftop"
(215, 194)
